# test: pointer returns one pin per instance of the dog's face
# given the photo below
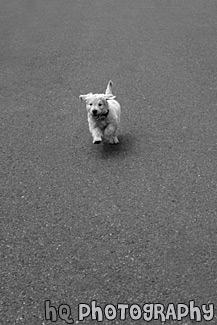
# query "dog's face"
(96, 104)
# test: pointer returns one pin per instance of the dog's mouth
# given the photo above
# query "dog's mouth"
(100, 116)
(96, 116)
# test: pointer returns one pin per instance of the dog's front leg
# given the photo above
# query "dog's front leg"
(95, 131)
(110, 134)
(96, 134)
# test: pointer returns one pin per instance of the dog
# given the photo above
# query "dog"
(103, 115)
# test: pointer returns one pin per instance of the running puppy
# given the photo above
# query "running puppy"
(103, 114)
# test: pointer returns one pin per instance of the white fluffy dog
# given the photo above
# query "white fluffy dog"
(103, 113)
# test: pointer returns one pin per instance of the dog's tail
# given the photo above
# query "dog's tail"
(109, 88)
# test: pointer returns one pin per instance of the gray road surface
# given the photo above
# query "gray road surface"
(133, 223)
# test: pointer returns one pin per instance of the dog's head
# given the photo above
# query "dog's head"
(96, 104)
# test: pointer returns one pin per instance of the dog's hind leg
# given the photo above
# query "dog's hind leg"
(111, 134)
(114, 140)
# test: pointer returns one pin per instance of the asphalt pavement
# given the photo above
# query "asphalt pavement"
(134, 223)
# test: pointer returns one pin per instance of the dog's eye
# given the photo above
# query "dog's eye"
(90, 104)
(100, 104)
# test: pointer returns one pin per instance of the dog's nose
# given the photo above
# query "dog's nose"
(94, 111)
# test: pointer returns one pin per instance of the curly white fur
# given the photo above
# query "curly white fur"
(103, 114)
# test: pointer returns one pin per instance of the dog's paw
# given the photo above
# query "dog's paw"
(97, 141)
(114, 140)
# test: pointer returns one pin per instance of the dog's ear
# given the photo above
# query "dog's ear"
(85, 97)
(109, 96)
(82, 97)
(109, 88)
